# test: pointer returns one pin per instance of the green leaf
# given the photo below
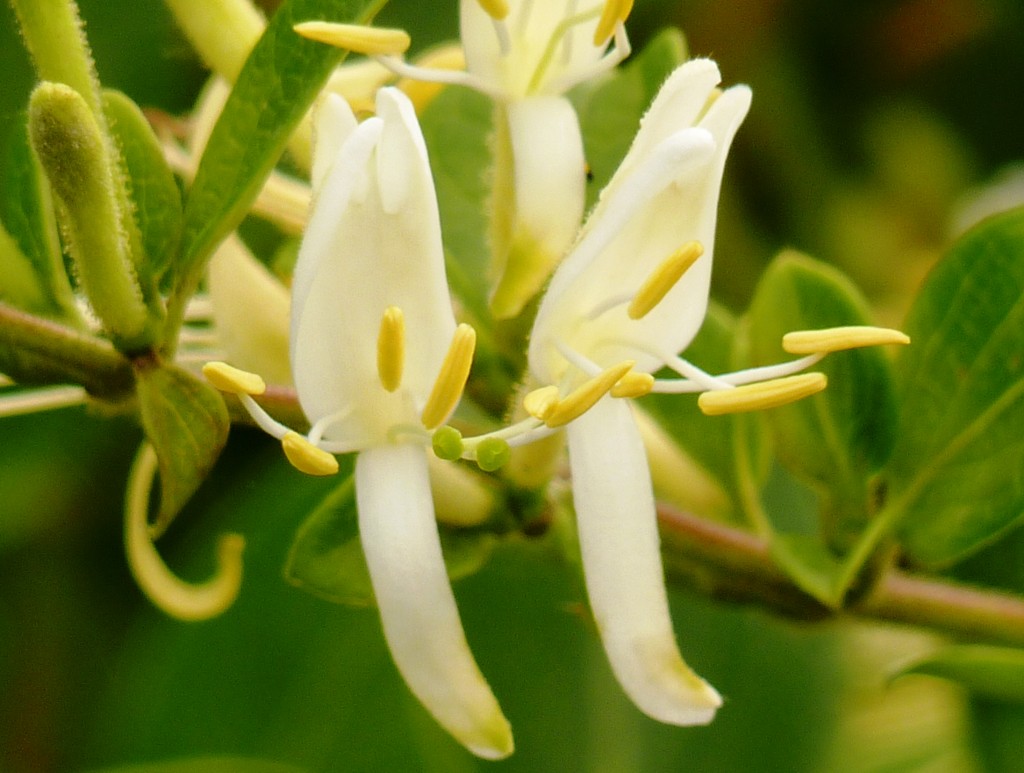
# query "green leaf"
(26, 211)
(187, 423)
(278, 83)
(987, 671)
(152, 186)
(610, 109)
(956, 477)
(456, 126)
(838, 439)
(326, 558)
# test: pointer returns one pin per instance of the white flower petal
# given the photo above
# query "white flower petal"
(417, 608)
(373, 241)
(334, 122)
(550, 170)
(622, 564)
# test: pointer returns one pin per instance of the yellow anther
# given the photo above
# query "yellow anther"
(496, 9)
(391, 348)
(451, 379)
(836, 339)
(663, 279)
(541, 402)
(356, 37)
(614, 12)
(582, 398)
(634, 384)
(232, 380)
(306, 457)
(767, 394)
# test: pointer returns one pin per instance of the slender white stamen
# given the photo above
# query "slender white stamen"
(734, 379)
(316, 432)
(620, 50)
(263, 419)
(513, 434)
(570, 10)
(504, 39)
(37, 400)
(588, 366)
(403, 69)
(609, 303)
(525, 9)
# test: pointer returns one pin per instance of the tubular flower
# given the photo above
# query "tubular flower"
(378, 363)
(630, 295)
(526, 55)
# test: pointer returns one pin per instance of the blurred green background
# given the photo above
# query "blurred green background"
(872, 121)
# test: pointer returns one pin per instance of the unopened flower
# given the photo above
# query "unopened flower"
(379, 363)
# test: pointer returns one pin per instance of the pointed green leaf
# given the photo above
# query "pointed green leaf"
(837, 439)
(956, 478)
(326, 558)
(26, 211)
(152, 187)
(274, 90)
(187, 423)
(987, 671)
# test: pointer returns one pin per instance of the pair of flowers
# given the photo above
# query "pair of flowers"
(380, 363)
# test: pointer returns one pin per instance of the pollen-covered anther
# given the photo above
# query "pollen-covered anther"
(541, 402)
(496, 9)
(391, 348)
(232, 380)
(451, 380)
(633, 384)
(306, 457)
(614, 12)
(582, 398)
(663, 279)
(836, 339)
(356, 37)
(766, 394)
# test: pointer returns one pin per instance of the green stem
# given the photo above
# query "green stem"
(728, 563)
(34, 350)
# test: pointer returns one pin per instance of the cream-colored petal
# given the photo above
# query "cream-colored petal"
(417, 608)
(373, 242)
(622, 565)
(333, 123)
(549, 190)
(238, 285)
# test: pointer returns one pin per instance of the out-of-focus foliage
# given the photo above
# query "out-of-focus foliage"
(870, 125)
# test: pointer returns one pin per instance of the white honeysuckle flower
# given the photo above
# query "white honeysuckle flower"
(525, 55)
(379, 363)
(632, 293)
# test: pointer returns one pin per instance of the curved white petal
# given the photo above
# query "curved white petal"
(417, 608)
(549, 189)
(550, 170)
(333, 123)
(622, 564)
(664, 195)
(373, 241)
